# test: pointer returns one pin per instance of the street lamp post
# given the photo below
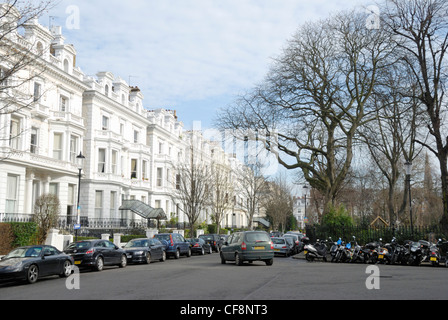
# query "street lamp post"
(408, 167)
(80, 160)
(305, 187)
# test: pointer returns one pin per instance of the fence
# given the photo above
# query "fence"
(88, 225)
(368, 234)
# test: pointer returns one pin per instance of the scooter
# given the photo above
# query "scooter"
(334, 249)
(316, 251)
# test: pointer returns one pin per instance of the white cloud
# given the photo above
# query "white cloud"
(180, 51)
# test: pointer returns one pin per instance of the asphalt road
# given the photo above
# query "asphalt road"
(205, 278)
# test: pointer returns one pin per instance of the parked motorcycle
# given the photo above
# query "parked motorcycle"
(399, 253)
(384, 253)
(371, 251)
(434, 253)
(316, 251)
(334, 248)
(415, 253)
(357, 252)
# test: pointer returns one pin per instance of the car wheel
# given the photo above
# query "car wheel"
(32, 274)
(238, 260)
(124, 261)
(189, 252)
(66, 269)
(148, 258)
(210, 251)
(163, 257)
(269, 262)
(223, 261)
(202, 251)
(177, 254)
(99, 264)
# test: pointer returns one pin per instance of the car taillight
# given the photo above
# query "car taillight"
(90, 251)
(243, 246)
(196, 245)
(284, 247)
(214, 243)
(171, 240)
(272, 245)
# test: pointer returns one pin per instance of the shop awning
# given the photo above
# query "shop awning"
(143, 210)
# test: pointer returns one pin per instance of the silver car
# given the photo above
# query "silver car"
(281, 246)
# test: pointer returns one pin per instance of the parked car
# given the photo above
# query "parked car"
(96, 254)
(281, 246)
(298, 246)
(145, 250)
(291, 244)
(175, 244)
(214, 240)
(32, 262)
(199, 246)
(248, 246)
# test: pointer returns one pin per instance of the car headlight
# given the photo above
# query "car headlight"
(138, 253)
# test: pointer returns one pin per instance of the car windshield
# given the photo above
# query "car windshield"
(278, 241)
(137, 243)
(206, 237)
(257, 237)
(24, 252)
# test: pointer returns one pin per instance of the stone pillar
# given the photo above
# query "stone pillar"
(105, 236)
(117, 239)
(150, 233)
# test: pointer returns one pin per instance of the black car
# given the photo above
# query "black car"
(32, 262)
(198, 245)
(144, 250)
(214, 240)
(96, 254)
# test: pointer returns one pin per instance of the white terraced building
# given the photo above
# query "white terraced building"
(130, 152)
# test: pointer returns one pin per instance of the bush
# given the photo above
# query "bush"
(6, 238)
(24, 233)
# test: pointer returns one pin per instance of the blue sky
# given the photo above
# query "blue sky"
(194, 56)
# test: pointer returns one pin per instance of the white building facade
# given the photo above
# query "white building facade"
(131, 153)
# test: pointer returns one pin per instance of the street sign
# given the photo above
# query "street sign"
(77, 226)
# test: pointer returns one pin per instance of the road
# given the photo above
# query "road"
(205, 278)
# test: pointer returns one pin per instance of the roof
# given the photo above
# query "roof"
(143, 210)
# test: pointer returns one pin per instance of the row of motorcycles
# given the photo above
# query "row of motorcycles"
(409, 253)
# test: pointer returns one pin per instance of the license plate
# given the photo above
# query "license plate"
(380, 256)
(433, 259)
(276, 249)
(258, 248)
(77, 262)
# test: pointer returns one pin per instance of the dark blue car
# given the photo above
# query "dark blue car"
(176, 245)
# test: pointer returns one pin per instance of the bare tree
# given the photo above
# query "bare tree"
(316, 97)
(278, 203)
(192, 186)
(46, 213)
(420, 28)
(221, 193)
(20, 60)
